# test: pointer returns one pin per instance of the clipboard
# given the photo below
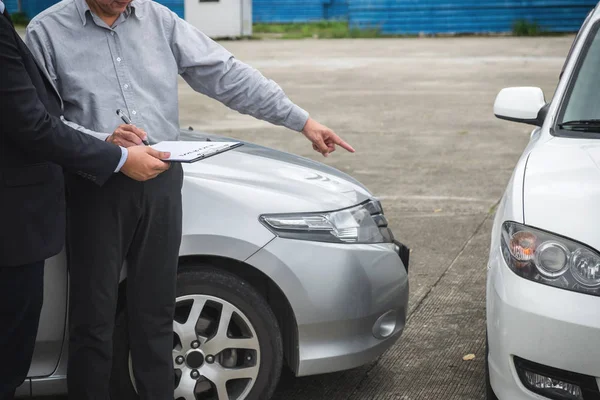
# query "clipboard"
(191, 152)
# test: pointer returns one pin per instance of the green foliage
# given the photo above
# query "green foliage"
(19, 18)
(320, 29)
(523, 27)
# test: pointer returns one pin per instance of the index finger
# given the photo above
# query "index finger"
(341, 143)
(129, 136)
(137, 131)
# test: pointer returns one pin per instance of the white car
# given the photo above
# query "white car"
(543, 285)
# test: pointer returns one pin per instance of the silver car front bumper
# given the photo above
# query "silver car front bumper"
(340, 295)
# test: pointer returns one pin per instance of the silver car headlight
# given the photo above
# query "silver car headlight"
(550, 259)
(364, 223)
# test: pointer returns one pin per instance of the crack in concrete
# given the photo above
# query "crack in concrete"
(417, 306)
(460, 253)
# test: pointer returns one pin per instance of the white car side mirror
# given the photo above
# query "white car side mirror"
(521, 104)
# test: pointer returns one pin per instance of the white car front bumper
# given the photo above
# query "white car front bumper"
(549, 326)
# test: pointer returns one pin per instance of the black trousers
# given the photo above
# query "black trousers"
(21, 298)
(137, 222)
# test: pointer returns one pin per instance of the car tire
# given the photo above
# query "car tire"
(489, 392)
(205, 282)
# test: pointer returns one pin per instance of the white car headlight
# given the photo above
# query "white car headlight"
(364, 223)
(550, 259)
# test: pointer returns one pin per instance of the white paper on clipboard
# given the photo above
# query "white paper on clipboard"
(193, 151)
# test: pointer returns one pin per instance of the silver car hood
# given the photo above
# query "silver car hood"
(297, 184)
(562, 189)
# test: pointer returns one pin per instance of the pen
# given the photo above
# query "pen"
(125, 119)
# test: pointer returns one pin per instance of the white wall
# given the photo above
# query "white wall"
(223, 18)
(246, 17)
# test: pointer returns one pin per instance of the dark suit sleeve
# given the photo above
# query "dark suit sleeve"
(27, 123)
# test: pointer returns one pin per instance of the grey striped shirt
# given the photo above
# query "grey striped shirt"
(134, 65)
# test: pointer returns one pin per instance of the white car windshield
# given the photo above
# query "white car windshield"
(581, 110)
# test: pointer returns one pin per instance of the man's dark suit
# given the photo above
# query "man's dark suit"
(34, 145)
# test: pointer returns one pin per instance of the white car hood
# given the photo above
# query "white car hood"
(299, 183)
(562, 189)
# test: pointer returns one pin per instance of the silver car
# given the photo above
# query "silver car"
(283, 260)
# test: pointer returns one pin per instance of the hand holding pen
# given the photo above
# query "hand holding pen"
(127, 135)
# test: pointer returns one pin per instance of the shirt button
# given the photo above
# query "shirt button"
(126, 86)
(112, 33)
(134, 112)
(119, 59)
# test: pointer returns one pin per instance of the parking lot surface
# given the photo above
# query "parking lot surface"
(419, 113)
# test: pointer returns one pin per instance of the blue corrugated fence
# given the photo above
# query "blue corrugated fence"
(29, 7)
(11, 5)
(177, 6)
(466, 16)
(336, 9)
(402, 16)
(287, 10)
(33, 7)
(429, 16)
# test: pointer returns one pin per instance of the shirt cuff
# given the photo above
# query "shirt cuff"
(296, 119)
(124, 154)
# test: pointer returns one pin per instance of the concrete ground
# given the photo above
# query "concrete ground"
(419, 113)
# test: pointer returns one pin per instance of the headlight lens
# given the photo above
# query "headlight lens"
(585, 267)
(550, 259)
(361, 224)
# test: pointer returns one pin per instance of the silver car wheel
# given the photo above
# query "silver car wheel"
(216, 351)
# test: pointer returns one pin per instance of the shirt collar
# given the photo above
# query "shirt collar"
(83, 8)
(1, 7)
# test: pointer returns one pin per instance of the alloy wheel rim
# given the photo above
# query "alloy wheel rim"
(216, 353)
